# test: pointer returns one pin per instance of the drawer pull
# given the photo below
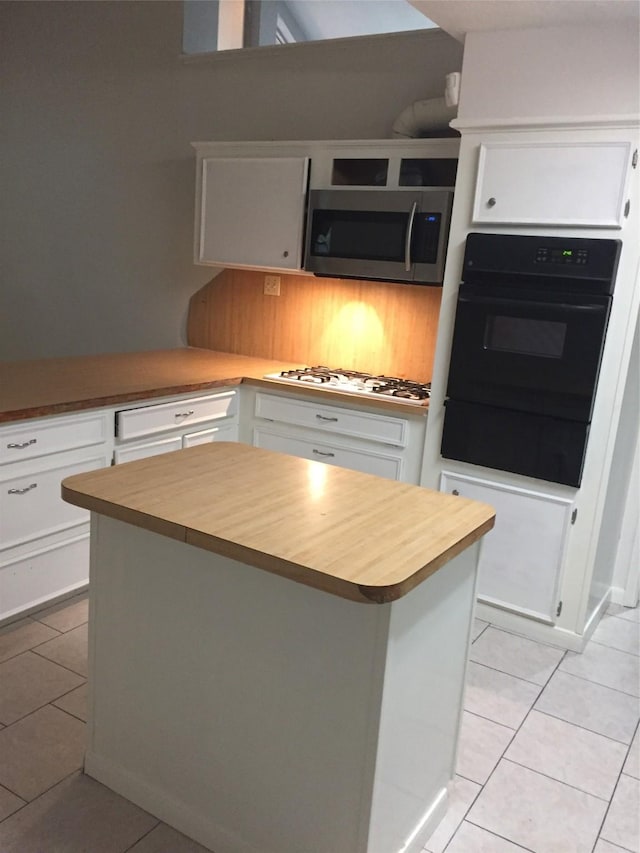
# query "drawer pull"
(325, 418)
(323, 453)
(183, 414)
(22, 491)
(15, 446)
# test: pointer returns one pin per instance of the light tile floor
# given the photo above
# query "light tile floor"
(549, 758)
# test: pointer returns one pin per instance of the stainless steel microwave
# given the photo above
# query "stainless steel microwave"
(390, 235)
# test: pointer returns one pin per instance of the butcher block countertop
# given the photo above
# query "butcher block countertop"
(354, 535)
(33, 389)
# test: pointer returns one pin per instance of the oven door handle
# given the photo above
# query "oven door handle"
(407, 242)
(528, 303)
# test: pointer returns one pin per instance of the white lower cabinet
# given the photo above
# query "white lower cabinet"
(386, 445)
(149, 429)
(44, 541)
(521, 558)
(44, 545)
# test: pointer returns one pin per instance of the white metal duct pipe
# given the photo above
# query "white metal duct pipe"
(423, 117)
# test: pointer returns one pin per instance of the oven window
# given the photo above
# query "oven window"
(544, 338)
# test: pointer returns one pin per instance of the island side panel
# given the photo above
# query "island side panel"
(236, 705)
(422, 704)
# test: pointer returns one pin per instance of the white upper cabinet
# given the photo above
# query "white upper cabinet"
(251, 211)
(540, 183)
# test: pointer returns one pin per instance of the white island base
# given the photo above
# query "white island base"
(259, 715)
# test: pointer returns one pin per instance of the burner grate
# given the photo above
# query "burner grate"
(357, 382)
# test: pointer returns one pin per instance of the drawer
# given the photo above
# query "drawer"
(37, 438)
(228, 432)
(369, 462)
(387, 430)
(142, 451)
(147, 420)
(31, 506)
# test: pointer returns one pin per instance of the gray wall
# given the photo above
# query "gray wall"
(98, 173)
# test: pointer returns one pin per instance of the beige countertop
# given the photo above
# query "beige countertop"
(354, 535)
(31, 389)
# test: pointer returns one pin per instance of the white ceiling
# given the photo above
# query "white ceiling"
(459, 17)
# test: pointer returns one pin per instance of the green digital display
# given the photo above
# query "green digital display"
(545, 255)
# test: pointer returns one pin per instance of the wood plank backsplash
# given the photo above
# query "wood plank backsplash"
(358, 325)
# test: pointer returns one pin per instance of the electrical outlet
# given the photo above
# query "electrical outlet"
(272, 285)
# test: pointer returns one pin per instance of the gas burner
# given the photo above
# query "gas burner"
(355, 382)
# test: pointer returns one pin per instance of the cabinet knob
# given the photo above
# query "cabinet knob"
(285, 254)
(491, 202)
(455, 492)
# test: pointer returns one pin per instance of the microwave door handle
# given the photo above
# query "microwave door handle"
(407, 245)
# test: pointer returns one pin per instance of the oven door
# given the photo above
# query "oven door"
(537, 353)
(395, 236)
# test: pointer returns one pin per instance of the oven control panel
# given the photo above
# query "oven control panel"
(576, 264)
(561, 255)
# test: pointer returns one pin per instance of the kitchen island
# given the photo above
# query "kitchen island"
(277, 647)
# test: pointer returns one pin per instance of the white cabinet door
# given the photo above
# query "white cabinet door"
(581, 185)
(520, 559)
(252, 211)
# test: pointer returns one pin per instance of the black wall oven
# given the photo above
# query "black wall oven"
(529, 332)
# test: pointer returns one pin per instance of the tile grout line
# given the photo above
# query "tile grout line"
(39, 708)
(35, 799)
(44, 642)
(559, 781)
(68, 668)
(518, 677)
(144, 834)
(503, 837)
(614, 648)
(582, 728)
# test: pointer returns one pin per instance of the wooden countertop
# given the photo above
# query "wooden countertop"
(32, 389)
(357, 536)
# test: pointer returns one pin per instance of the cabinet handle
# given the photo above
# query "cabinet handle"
(323, 452)
(325, 418)
(183, 414)
(19, 446)
(491, 202)
(22, 491)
